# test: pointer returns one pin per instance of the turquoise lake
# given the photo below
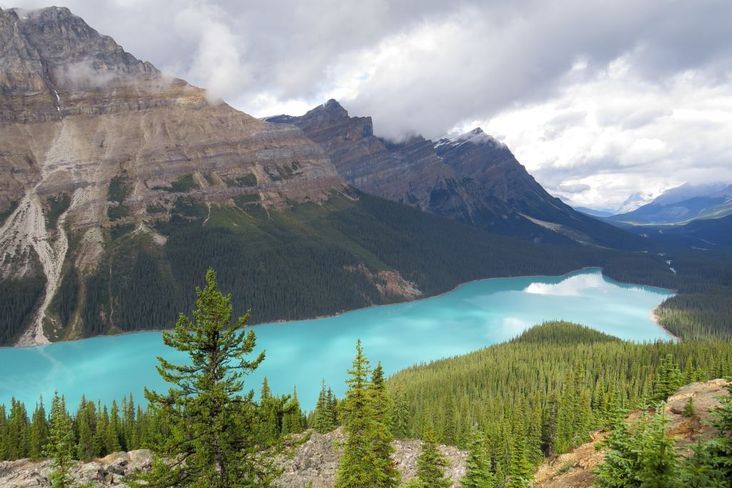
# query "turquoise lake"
(301, 353)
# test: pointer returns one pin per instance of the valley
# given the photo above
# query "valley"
(182, 283)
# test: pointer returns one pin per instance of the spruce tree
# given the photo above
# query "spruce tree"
(269, 410)
(18, 431)
(641, 456)
(321, 415)
(293, 421)
(668, 379)
(720, 449)
(86, 419)
(38, 432)
(659, 465)
(60, 445)
(210, 420)
(356, 468)
(379, 435)
(111, 436)
(478, 472)
(399, 417)
(4, 438)
(431, 463)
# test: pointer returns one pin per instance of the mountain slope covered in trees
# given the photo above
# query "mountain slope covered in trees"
(544, 392)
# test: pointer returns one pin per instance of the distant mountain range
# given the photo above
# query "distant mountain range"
(472, 178)
(681, 205)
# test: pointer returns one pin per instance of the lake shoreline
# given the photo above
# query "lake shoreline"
(583, 269)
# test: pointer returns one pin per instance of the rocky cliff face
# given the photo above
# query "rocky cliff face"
(472, 178)
(92, 138)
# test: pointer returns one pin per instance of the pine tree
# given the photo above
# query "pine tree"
(38, 431)
(4, 437)
(520, 470)
(60, 445)
(379, 436)
(211, 423)
(269, 410)
(321, 415)
(620, 467)
(701, 471)
(111, 436)
(478, 465)
(720, 449)
(659, 466)
(293, 422)
(85, 426)
(399, 421)
(100, 431)
(357, 462)
(641, 456)
(431, 464)
(689, 410)
(668, 378)
(18, 431)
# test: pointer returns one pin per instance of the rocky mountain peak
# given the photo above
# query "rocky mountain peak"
(472, 178)
(53, 64)
(93, 139)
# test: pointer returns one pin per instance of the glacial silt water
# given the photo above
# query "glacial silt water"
(302, 353)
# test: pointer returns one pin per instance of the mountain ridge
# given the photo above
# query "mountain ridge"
(682, 204)
(472, 178)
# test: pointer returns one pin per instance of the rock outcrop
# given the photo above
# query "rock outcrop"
(108, 471)
(312, 460)
(471, 178)
(575, 468)
(308, 460)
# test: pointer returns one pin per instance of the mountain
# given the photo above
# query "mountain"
(120, 186)
(472, 178)
(634, 201)
(700, 234)
(594, 212)
(683, 204)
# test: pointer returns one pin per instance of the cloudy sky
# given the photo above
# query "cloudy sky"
(598, 99)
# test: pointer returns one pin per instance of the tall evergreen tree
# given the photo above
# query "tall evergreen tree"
(399, 421)
(478, 465)
(111, 436)
(379, 435)
(210, 420)
(293, 421)
(324, 415)
(38, 432)
(431, 464)
(356, 466)
(719, 450)
(4, 437)
(18, 432)
(639, 456)
(668, 378)
(85, 427)
(60, 447)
